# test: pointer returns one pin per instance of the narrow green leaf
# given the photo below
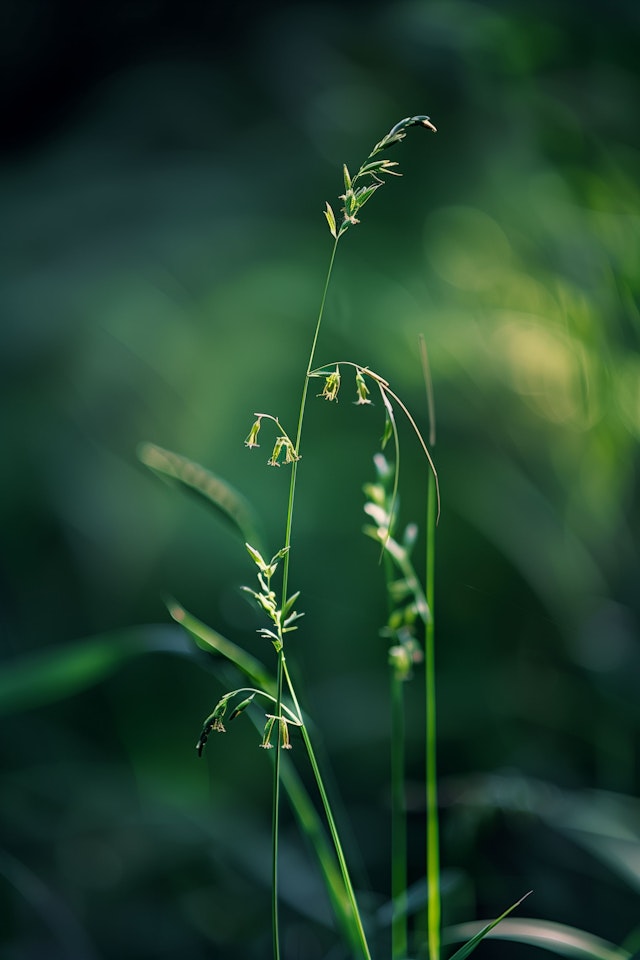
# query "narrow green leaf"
(290, 602)
(257, 557)
(365, 193)
(46, 676)
(347, 178)
(286, 626)
(212, 641)
(555, 937)
(471, 944)
(331, 220)
(200, 481)
(377, 165)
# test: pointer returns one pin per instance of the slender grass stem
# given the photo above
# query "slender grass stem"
(301, 802)
(303, 404)
(314, 830)
(433, 843)
(399, 920)
(370, 177)
(354, 199)
(353, 911)
(431, 772)
(275, 820)
(333, 830)
(399, 939)
(285, 585)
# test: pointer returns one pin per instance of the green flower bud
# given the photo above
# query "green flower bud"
(361, 389)
(331, 386)
(213, 723)
(241, 707)
(277, 450)
(284, 733)
(266, 737)
(252, 439)
(290, 452)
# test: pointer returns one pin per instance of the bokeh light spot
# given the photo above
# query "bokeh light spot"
(466, 247)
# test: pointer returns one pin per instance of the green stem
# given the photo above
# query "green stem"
(275, 819)
(314, 829)
(399, 920)
(433, 852)
(303, 404)
(354, 913)
(275, 816)
(399, 939)
(301, 803)
(333, 830)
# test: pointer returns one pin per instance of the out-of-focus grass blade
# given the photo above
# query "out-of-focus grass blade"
(604, 823)
(206, 485)
(555, 937)
(464, 930)
(213, 642)
(46, 676)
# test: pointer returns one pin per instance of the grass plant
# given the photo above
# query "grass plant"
(409, 631)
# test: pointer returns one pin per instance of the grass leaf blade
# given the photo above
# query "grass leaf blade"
(471, 944)
(205, 484)
(213, 642)
(557, 938)
(49, 675)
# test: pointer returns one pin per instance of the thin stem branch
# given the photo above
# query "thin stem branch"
(434, 475)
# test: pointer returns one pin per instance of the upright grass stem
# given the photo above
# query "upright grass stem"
(399, 934)
(433, 840)
(431, 781)
(422, 607)
(275, 814)
(275, 819)
(303, 404)
(359, 933)
(354, 198)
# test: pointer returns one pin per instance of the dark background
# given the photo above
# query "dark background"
(163, 176)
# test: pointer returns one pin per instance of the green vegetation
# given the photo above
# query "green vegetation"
(164, 249)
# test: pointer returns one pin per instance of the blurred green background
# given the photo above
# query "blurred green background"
(163, 254)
